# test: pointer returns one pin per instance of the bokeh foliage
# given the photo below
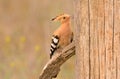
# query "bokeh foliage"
(25, 30)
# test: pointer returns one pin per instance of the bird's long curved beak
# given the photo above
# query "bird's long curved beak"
(53, 19)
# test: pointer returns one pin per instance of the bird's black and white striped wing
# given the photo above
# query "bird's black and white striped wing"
(54, 44)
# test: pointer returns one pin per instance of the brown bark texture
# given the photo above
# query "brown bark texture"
(52, 68)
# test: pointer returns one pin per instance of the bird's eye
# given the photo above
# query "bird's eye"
(64, 17)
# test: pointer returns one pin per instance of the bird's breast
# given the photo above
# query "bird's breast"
(65, 33)
(65, 37)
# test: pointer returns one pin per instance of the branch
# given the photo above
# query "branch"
(52, 68)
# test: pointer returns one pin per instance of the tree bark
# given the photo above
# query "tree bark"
(97, 39)
(52, 68)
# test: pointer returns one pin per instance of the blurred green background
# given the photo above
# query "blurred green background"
(25, 35)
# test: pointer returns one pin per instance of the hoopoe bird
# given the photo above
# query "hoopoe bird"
(63, 35)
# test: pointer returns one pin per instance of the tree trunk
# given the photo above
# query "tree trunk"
(97, 39)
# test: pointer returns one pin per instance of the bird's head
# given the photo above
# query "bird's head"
(62, 18)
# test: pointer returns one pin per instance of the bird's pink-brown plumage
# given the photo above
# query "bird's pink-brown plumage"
(63, 35)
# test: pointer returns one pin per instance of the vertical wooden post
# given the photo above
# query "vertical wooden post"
(82, 38)
(97, 39)
(117, 37)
